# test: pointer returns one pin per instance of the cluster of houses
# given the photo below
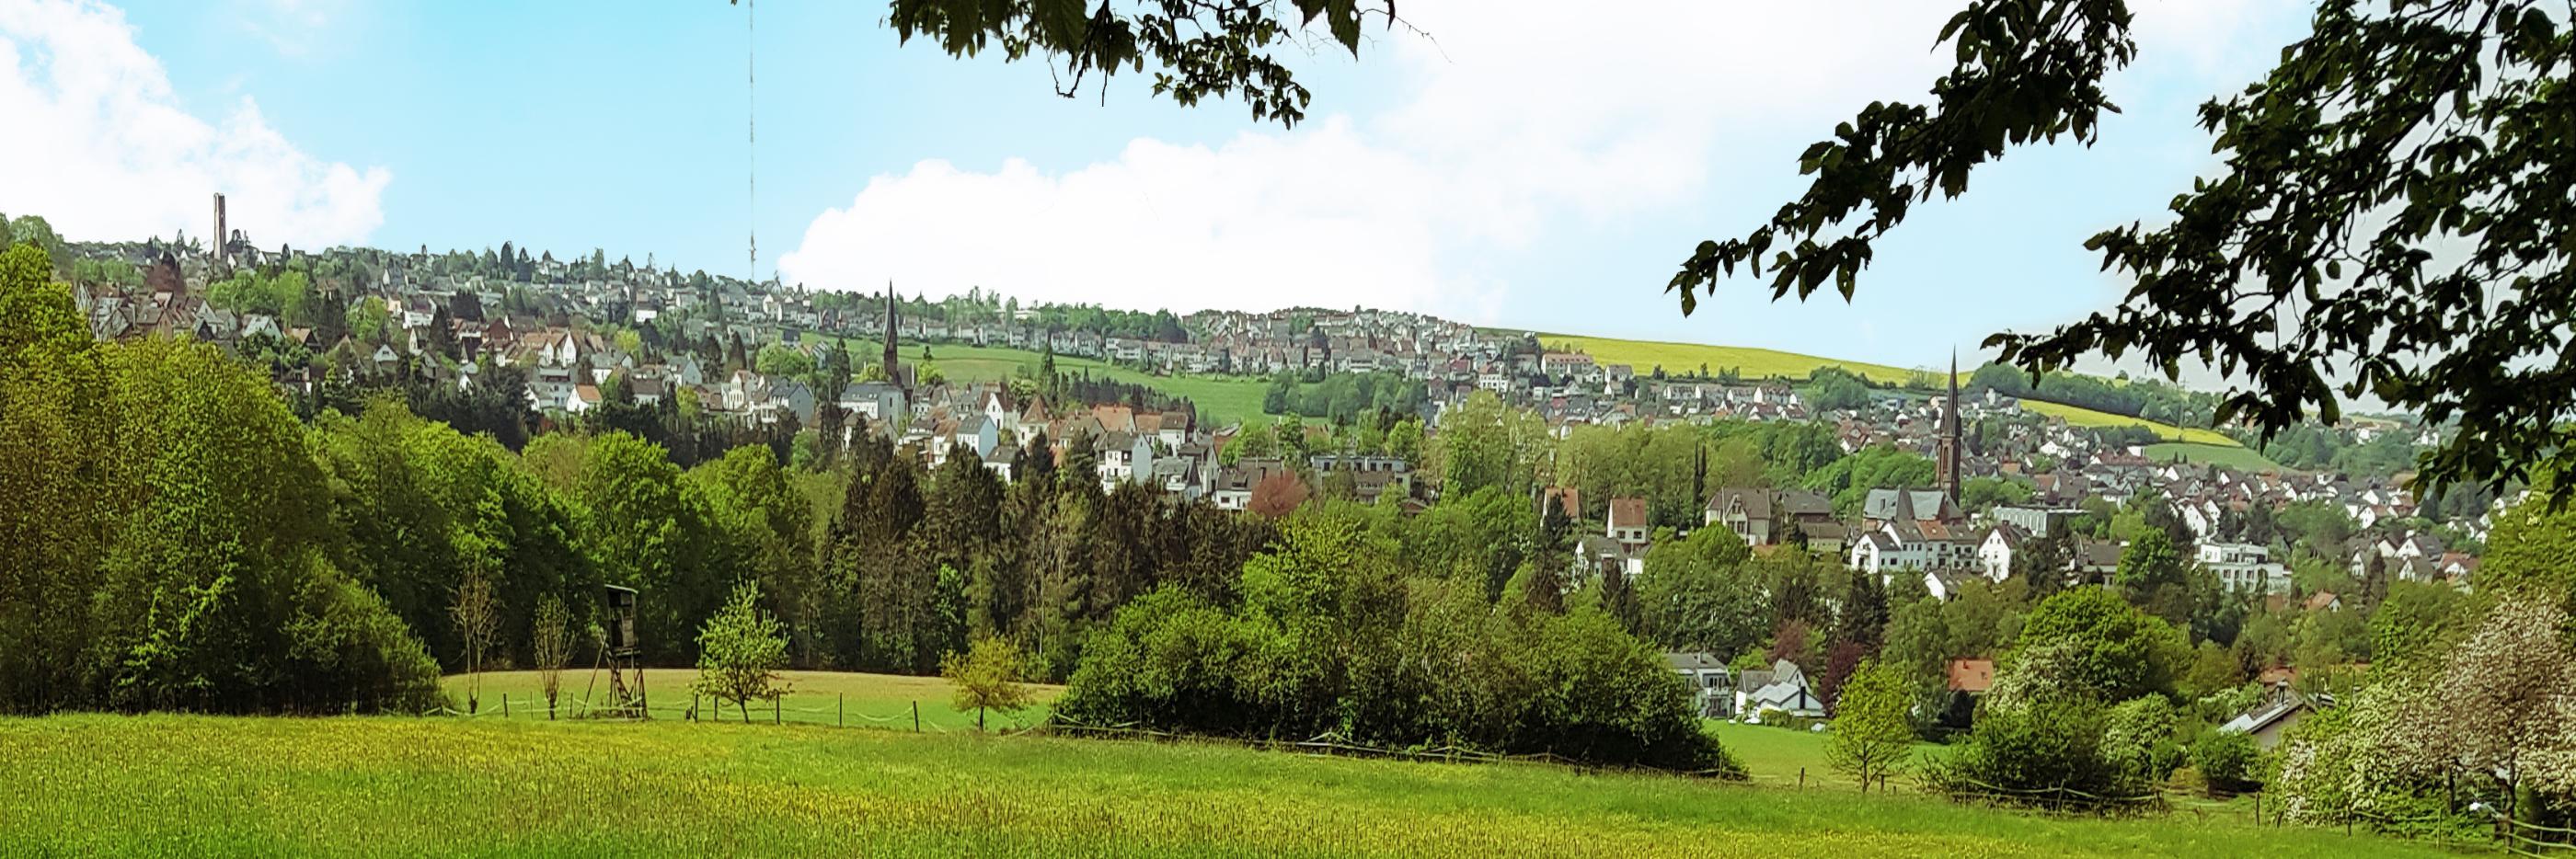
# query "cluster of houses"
(1898, 531)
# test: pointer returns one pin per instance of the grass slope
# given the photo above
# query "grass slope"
(1644, 355)
(820, 697)
(2227, 456)
(1221, 399)
(196, 785)
(2084, 417)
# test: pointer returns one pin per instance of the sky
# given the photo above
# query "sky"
(1510, 165)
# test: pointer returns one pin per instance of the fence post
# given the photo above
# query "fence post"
(840, 703)
(916, 717)
(505, 705)
(1802, 778)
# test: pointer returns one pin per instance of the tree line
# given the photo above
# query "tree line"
(177, 539)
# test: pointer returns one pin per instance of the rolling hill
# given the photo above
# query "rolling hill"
(1224, 400)
(1221, 400)
(1645, 355)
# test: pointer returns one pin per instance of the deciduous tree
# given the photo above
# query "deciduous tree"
(1871, 734)
(550, 647)
(740, 651)
(478, 624)
(986, 677)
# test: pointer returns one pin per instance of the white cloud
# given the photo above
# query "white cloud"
(100, 146)
(1521, 120)
(293, 27)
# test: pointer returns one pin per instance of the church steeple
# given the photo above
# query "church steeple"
(1949, 450)
(893, 371)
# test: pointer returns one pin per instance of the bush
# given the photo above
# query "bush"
(1344, 649)
(353, 655)
(2138, 737)
(2044, 755)
(2226, 760)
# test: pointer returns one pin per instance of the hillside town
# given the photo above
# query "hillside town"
(1449, 430)
(579, 331)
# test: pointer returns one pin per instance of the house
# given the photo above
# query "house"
(2283, 708)
(978, 435)
(1234, 483)
(1596, 555)
(2037, 521)
(998, 460)
(1783, 688)
(1880, 552)
(876, 401)
(2096, 560)
(2244, 567)
(1966, 681)
(1883, 506)
(1712, 690)
(1745, 511)
(1944, 584)
(1995, 553)
(1906, 544)
(1627, 523)
(1829, 539)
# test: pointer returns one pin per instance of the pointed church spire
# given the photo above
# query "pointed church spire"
(1949, 448)
(893, 371)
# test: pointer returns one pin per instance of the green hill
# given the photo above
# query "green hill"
(1221, 399)
(1645, 355)
(197, 785)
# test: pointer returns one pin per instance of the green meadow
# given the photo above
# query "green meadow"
(1221, 399)
(197, 786)
(816, 697)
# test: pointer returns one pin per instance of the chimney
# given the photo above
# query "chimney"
(221, 237)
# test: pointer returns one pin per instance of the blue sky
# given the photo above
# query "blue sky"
(1522, 170)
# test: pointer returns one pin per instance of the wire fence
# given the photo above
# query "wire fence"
(701, 708)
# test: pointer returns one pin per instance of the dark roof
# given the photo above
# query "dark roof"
(1797, 502)
(1756, 502)
(1693, 661)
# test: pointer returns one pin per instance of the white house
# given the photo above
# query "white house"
(1627, 522)
(2244, 567)
(1994, 556)
(1783, 688)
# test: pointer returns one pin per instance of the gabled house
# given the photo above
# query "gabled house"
(1627, 523)
(1966, 680)
(2282, 707)
(1995, 553)
(1783, 688)
(1712, 687)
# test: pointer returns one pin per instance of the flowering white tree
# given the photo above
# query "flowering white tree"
(2503, 702)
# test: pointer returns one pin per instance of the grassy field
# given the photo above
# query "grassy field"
(194, 785)
(1644, 355)
(1776, 756)
(2084, 417)
(820, 697)
(2229, 456)
(1221, 399)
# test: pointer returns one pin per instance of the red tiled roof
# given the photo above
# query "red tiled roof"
(1972, 675)
(1627, 513)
